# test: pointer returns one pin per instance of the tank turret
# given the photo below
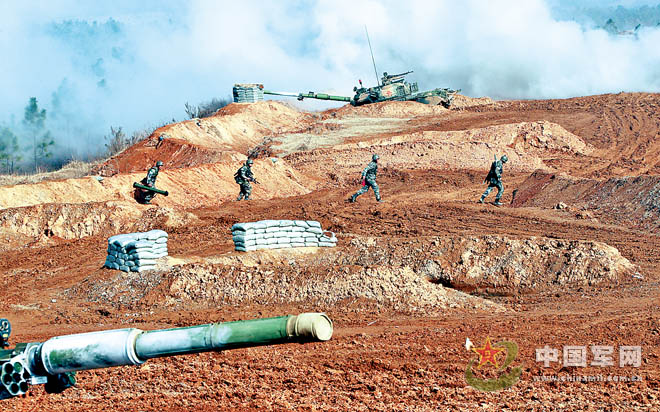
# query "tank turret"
(54, 362)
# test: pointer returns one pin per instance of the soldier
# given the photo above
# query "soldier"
(494, 179)
(150, 180)
(243, 177)
(369, 179)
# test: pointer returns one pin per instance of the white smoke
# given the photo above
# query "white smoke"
(164, 54)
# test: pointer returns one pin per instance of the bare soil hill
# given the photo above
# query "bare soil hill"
(409, 281)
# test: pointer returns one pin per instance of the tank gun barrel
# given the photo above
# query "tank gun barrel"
(311, 95)
(55, 361)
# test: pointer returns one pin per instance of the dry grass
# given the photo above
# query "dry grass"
(71, 170)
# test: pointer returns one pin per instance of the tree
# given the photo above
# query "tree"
(35, 124)
(9, 149)
(116, 142)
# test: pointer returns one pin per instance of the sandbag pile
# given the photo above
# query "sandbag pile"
(136, 252)
(277, 234)
(248, 93)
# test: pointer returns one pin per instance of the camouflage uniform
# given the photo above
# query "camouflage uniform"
(243, 177)
(150, 181)
(494, 179)
(369, 176)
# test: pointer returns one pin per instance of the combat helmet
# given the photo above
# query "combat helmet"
(375, 157)
(504, 159)
(249, 162)
(159, 163)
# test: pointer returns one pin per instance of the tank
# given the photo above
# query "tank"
(54, 362)
(395, 87)
(392, 87)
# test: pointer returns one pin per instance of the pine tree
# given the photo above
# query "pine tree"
(35, 124)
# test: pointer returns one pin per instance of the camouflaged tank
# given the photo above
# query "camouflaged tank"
(395, 87)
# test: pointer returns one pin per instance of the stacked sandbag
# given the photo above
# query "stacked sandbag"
(277, 234)
(136, 252)
(248, 93)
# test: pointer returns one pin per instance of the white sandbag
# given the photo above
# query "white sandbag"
(297, 229)
(283, 240)
(283, 245)
(161, 240)
(141, 269)
(121, 240)
(283, 234)
(246, 243)
(313, 223)
(244, 238)
(316, 230)
(271, 241)
(268, 235)
(327, 244)
(242, 226)
(261, 241)
(272, 229)
(155, 234)
(297, 240)
(245, 248)
(308, 235)
(326, 238)
(143, 255)
(260, 231)
(311, 244)
(296, 244)
(286, 223)
(301, 223)
(259, 226)
(144, 262)
(269, 223)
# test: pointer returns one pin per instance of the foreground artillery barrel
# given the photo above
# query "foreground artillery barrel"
(54, 362)
(151, 189)
(133, 346)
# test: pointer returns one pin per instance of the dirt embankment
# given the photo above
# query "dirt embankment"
(386, 274)
(633, 201)
(188, 188)
(497, 264)
(234, 128)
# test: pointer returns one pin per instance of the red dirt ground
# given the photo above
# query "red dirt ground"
(382, 357)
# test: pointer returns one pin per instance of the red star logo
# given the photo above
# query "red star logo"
(487, 354)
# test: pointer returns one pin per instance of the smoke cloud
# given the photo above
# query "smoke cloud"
(93, 65)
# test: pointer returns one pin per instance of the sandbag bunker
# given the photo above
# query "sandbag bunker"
(278, 234)
(136, 252)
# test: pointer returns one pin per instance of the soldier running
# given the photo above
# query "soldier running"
(494, 179)
(369, 179)
(243, 177)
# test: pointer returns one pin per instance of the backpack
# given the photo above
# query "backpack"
(237, 176)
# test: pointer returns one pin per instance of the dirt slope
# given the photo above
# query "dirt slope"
(584, 275)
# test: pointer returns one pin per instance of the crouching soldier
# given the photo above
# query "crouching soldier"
(494, 179)
(369, 179)
(243, 177)
(145, 196)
